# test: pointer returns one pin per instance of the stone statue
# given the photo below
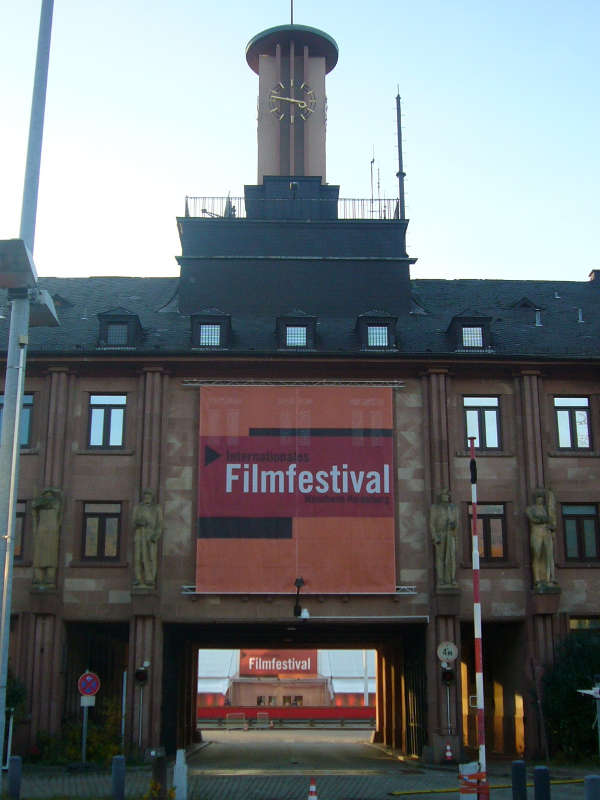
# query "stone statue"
(443, 521)
(542, 524)
(148, 524)
(47, 518)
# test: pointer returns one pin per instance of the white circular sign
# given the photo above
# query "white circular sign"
(447, 651)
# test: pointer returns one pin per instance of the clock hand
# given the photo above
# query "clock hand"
(299, 103)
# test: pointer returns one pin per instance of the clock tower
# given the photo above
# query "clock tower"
(291, 62)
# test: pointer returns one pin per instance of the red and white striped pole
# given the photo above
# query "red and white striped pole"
(477, 614)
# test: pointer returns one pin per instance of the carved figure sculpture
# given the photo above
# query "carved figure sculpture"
(542, 524)
(47, 518)
(148, 524)
(443, 522)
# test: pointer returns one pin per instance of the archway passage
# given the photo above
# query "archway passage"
(401, 684)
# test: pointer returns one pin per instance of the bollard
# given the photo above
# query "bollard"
(591, 787)
(180, 776)
(519, 780)
(15, 769)
(541, 783)
(118, 778)
(159, 776)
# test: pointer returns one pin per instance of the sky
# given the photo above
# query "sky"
(151, 101)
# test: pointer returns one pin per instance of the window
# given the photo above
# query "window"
(377, 335)
(581, 532)
(119, 328)
(481, 421)
(376, 329)
(107, 420)
(211, 329)
(296, 330)
(19, 528)
(25, 426)
(295, 336)
(117, 334)
(491, 530)
(573, 422)
(209, 335)
(472, 337)
(101, 526)
(584, 623)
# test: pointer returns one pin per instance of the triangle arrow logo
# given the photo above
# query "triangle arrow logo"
(210, 455)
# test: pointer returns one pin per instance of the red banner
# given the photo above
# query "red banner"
(296, 481)
(278, 662)
(330, 476)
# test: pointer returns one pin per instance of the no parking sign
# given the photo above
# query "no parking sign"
(88, 684)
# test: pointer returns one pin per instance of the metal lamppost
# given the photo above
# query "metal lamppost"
(29, 306)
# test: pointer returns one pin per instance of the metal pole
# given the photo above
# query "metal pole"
(591, 787)
(366, 679)
(400, 174)
(84, 733)
(519, 780)
(17, 351)
(123, 709)
(477, 614)
(541, 783)
(9, 469)
(141, 717)
(36, 127)
(10, 734)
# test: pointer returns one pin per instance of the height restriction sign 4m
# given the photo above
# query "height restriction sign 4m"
(88, 684)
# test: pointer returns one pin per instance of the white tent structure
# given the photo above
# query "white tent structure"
(215, 670)
(348, 671)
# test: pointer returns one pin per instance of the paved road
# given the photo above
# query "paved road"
(277, 765)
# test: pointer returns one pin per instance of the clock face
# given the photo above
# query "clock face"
(289, 101)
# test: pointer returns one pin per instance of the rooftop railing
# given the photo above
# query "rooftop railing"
(291, 208)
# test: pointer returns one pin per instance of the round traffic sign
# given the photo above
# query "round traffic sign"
(88, 684)
(447, 651)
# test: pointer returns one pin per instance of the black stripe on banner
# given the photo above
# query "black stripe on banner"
(367, 432)
(244, 528)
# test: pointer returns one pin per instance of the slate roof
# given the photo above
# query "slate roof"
(421, 333)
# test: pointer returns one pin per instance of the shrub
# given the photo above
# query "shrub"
(570, 716)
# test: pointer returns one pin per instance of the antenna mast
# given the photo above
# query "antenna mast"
(372, 162)
(400, 174)
(292, 12)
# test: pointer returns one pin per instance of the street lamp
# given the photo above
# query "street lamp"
(29, 305)
(298, 583)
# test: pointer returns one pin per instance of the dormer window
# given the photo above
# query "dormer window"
(119, 328)
(472, 336)
(377, 330)
(295, 336)
(117, 333)
(296, 331)
(211, 330)
(209, 335)
(470, 331)
(377, 335)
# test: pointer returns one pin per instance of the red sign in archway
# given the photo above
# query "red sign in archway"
(88, 684)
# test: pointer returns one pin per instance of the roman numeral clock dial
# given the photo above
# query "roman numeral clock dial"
(285, 101)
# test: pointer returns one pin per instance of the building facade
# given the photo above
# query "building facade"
(271, 451)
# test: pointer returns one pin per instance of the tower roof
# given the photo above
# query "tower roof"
(319, 43)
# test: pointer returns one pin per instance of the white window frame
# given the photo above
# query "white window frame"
(482, 420)
(573, 429)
